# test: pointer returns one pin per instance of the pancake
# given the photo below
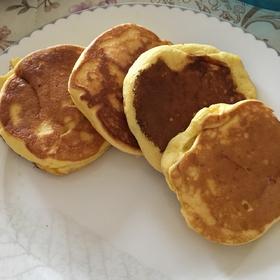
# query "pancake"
(38, 119)
(225, 170)
(167, 85)
(97, 79)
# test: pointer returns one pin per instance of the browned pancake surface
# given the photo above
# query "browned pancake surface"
(37, 108)
(166, 100)
(106, 63)
(229, 184)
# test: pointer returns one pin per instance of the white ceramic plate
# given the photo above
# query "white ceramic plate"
(117, 219)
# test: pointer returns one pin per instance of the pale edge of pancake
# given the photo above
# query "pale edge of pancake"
(175, 57)
(185, 142)
(57, 167)
(54, 166)
(77, 92)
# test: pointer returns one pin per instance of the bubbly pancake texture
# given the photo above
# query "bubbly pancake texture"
(38, 119)
(97, 80)
(167, 85)
(225, 170)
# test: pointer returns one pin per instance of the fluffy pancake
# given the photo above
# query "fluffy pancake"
(38, 119)
(97, 79)
(167, 85)
(225, 170)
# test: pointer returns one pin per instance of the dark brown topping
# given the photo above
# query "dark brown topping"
(237, 173)
(106, 64)
(166, 101)
(37, 108)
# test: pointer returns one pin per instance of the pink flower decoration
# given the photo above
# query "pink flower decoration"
(4, 32)
(80, 7)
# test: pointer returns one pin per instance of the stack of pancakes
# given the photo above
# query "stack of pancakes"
(190, 109)
(39, 119)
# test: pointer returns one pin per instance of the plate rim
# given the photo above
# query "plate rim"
(143, 4)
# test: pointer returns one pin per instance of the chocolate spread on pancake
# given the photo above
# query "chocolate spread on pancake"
(166, 100)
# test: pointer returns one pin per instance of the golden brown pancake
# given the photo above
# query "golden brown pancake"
(38, 119)
(167, 85)
(225, 170)
(97, 79)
